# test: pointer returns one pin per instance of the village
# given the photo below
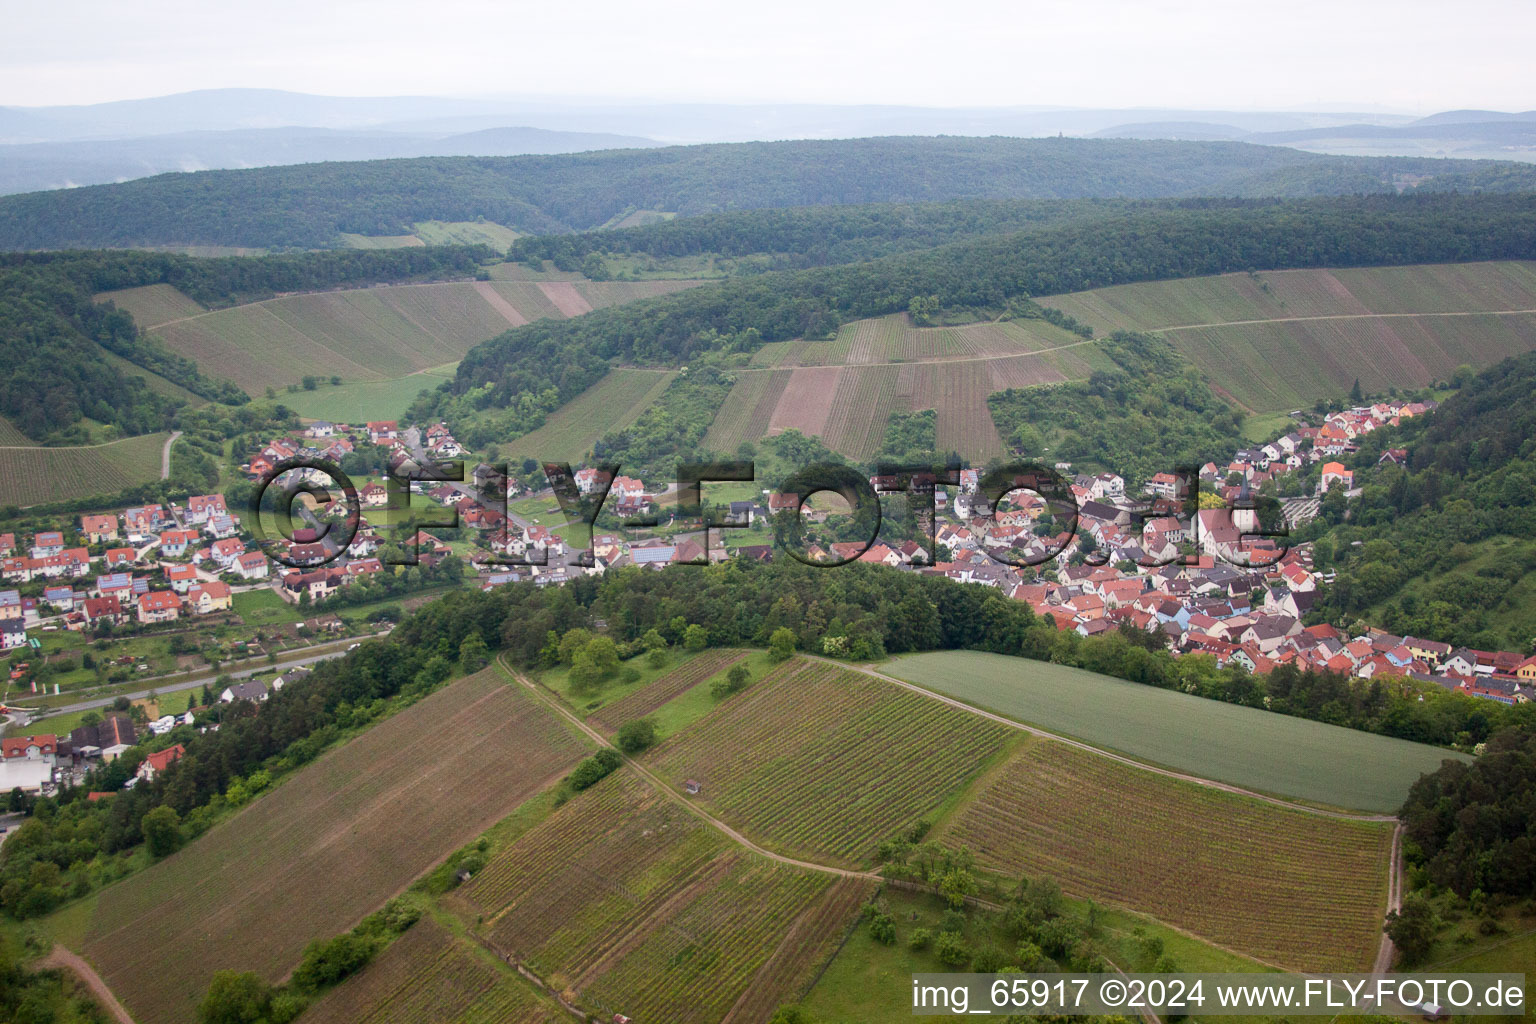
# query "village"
(1205, 578)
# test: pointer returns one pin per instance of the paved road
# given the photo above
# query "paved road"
(189, 684)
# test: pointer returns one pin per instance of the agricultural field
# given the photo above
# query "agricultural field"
(1295, 889)
(153, 305)
(613, 403)
(675, 683)
(1275, 340)
(11, 435)
(32, 475)
(365, 400)
(626, 902)
(823, 763)
(430, 975)
(1258, 750)
(374, 811)
(846, 389)
(746, 411)
(361, 334)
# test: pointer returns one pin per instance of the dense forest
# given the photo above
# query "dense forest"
(309, 205)
(1469, 826)
(980, 276)
(52, 331)
(1151, 414)
(1471, 477)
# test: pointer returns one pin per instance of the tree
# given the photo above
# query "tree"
(635, 736)
(781, 645)
(1355, 394)
(1412, 928)
(90, 719)
(882, 928)
(695, 638)
(951, 949)
(162, 831)
(327, 962)
(235, 997)
(473, 653)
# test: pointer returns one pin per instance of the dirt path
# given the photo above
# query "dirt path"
(1339, 316)
(63, 959)
(165, 455)
(1388, 950)
(1101, 752)
(672, 794)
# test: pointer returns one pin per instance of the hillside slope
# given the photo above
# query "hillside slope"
(311, 205)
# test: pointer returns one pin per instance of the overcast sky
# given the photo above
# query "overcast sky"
(1411, 56)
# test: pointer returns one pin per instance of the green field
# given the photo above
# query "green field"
(1258, 750)
(376, 334)
(35, 476)
(361, 401)
(1277, 340)
(438, 232)
(612, 403)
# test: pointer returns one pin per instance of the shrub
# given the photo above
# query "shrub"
(635, 736)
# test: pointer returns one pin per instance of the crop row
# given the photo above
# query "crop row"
(1300, 889)
(826, 762)
(657, 693)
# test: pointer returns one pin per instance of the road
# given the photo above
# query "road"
(64, 959)
(190, 684)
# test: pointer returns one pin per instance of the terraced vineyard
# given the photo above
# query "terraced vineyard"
(1275, 340)
(613, 403)
(822, 762)
(375, 812)
(361, 334)
(675, 683)
(429, 975)
(746, 411)
(627, 902)
(31, 475)
(1300, 890)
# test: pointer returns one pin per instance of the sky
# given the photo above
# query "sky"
(1406, 56)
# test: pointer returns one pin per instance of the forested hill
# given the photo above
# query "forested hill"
(308, 206)
(52, 332)
(1424, 559)
(982, 275)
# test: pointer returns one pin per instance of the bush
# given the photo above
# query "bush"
(635, 736)
(882, 928)
(920, 939)
(326, 962)
(736, 679)
(951, 949)
(593, 769)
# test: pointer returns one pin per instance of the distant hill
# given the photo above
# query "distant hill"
(48, 165)
(310, 206)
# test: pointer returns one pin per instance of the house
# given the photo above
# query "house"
(250, 689)
(380, 431)
(220, 526)
(1335, 473)
(251, 565)
(28, 762)
(1526, 670)
(173, 543)
(98, 529)
(320, 428)
(226, 551)
(1165, 485)
(180, 577)
(43, 747)
(202, 507)
(13, 633)
(121, 556)
(107, 740)
(159, 606)
(159, 761)
(209, 597)
(374, 495)
(97, 609)
(61, 598)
